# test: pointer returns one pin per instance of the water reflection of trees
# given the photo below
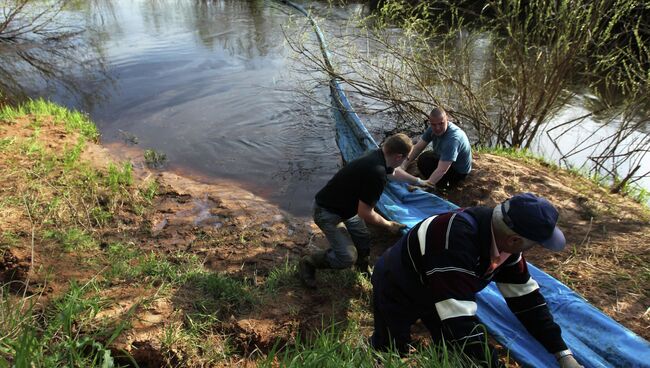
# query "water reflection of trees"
(42, 48)
(242, 28)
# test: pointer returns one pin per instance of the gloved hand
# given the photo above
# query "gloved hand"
(395, 227)
(568, 361)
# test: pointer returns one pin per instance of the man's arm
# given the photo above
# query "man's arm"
(456, 307)
(415, 152)
(370, 216)
(401, 175)
(525, 300)
(439, 172)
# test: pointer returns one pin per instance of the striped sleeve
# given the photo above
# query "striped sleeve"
(525, 300)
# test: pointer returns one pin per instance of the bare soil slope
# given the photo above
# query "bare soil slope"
(236, 233)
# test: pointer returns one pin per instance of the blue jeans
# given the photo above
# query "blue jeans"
(345, 247)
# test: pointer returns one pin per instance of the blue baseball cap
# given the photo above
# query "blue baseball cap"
(534, 218)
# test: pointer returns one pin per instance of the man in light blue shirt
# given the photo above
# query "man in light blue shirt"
(450, 159)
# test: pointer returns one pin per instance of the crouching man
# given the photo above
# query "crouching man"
(347, 202)
(434, 272)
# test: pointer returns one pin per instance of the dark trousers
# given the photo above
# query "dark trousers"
(428, 162)
(395, 311)
(392, 318)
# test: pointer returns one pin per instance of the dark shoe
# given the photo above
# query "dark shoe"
(363, 267)
(307, 272)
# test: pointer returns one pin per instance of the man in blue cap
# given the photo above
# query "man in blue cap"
(434, 272)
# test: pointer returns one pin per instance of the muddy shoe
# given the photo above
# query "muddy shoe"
(307, 272)
(363, 267)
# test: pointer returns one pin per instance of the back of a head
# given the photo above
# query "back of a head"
(398, 143)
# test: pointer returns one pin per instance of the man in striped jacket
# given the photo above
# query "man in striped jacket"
(434, 272)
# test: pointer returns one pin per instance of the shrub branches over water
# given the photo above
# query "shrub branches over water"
(505, 67)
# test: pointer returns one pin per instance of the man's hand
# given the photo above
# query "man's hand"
(395, 227)
(424, 184)
(568, 361)
(421, 184)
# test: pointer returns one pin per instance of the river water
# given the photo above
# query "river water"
(210, 84)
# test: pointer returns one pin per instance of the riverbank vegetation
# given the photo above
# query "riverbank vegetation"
(507, 69)
(91, 276)
(106, 264)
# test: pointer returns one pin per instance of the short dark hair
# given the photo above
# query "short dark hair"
(398, 143)
(438, 111)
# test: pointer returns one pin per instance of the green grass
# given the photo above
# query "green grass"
(221, 292)
(121, 258)
(71, 156)
(7, 142)
(347, 278)
(8, 239)
(154, 159)
(72, 239)
(149, 192)
(633, 191)
(67, 201)
(40, 108)
(281, 276)
(196, 334)
(63, 335)
(516, 153)
(225, 293)
(334, 347)
(129, 263)
(120, 177)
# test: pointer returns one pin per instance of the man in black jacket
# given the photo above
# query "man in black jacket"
(347, 202)
(434, 272)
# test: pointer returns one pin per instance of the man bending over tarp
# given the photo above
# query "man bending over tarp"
(348, 201)
(434, 272)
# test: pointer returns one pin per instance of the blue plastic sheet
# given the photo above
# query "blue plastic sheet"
(595, 339)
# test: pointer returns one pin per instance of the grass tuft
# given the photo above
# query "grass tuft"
(62, 335)
(228, 293)
(282, 276)
(334, 347)
(72, 239)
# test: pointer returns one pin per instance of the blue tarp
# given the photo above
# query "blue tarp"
(596, 339)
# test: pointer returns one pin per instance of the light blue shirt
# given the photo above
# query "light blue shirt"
(452, 146)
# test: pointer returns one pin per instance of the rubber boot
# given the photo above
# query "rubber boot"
(309, 264)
